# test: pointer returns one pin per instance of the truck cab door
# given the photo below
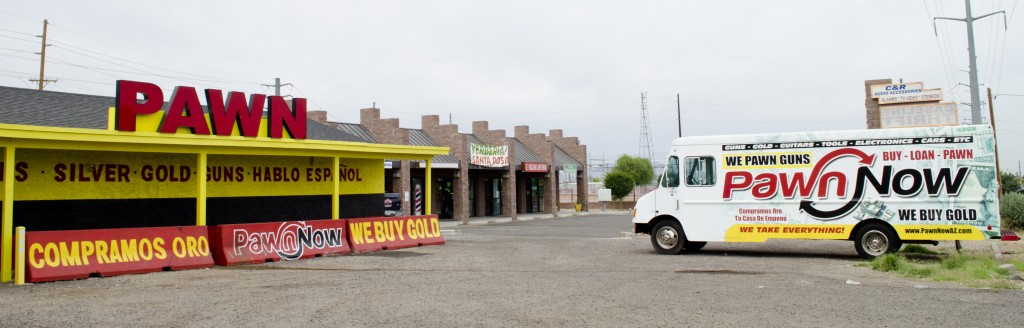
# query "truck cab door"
(667, 195)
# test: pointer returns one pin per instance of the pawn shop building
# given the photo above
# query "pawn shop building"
(134, 161)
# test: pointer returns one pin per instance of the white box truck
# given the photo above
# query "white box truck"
(879, 188)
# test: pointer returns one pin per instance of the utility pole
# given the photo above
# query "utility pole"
(679, 116)
(277, 86)
(975, 98)
(995, 138)
(42, 60)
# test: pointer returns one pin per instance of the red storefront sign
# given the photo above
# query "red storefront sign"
(275, 241)
(374, 234)
(535, 167)
(76, 254)
(224, 115)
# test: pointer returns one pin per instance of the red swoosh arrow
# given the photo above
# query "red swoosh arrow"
(836, 154)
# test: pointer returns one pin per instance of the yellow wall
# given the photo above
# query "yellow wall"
(72, 174)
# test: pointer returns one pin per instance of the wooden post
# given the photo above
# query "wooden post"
(992, 119)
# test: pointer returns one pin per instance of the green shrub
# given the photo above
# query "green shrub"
(1010, 182)
(886, 263)
(954, 262)
(918, 249)
(916, 271)
(620, 183)
(1012, 210)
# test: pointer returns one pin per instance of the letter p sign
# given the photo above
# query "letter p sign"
(128, 105)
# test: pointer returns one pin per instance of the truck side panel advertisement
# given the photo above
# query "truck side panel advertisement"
(935, 183)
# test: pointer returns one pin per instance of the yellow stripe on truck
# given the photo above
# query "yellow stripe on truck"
(938, 232)
(763, 232)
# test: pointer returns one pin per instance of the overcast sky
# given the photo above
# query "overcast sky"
(580, 66)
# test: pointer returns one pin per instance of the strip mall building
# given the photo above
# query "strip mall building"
(77, 165)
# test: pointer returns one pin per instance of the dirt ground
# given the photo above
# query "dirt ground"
(568, 272)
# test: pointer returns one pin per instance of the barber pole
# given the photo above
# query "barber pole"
(419, 200)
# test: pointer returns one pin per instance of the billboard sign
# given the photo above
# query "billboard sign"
(881, 90)
(489, 156)
(924, 95)
(933, 114)
(535, 167)
(570, 169)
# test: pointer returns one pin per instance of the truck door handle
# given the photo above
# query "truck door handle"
(677, 204)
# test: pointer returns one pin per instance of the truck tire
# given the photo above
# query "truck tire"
(668, 238)
(875, 240)
(694, 246)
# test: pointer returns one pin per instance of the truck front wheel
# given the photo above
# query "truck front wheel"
(668, 237)
(694, 246)
(875, 240)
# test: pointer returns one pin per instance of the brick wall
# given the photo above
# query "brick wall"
(448, 135)
(508, 184)
(572, 146)
(539, 144)
(871, 104)
(387, 131)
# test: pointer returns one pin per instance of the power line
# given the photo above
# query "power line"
(972, 57)
(947, 67)
(19, 16)
(94, 69)
(149, 54)
(19, 39)
(999, 80)
(13, 31)
(208, 78)
(17, 50)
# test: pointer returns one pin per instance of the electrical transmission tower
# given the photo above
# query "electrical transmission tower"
(645, 130)
(972, 58)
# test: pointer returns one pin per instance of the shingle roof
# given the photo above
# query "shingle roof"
(562, 158)
(356, 130)
(421, 138)
(51, 108)
(71, 110)
(524, 154)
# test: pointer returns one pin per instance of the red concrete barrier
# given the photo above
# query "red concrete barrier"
(374, 234)
(76, 254)
(275, 241)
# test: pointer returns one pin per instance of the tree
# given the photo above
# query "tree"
(620, 184)
(639, 169)
(1010, 181)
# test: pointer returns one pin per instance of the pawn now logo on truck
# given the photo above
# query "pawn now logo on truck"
(825, 182)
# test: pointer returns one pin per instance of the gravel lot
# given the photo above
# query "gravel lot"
(557, 272)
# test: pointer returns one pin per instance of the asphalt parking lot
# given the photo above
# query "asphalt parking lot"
(575, 271)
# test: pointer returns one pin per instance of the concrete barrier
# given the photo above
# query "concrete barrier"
(275, 241)
(383, 233)
(76, 254)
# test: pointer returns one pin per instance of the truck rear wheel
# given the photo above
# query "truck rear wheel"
(875, 240)
(668, 237)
